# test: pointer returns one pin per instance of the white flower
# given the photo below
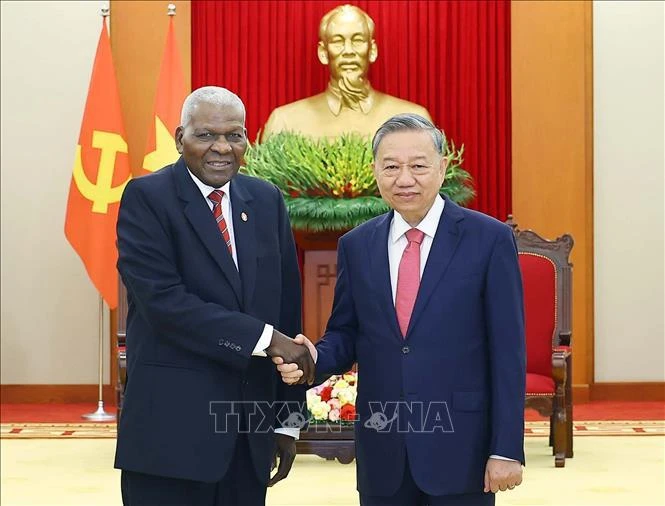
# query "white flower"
(312, 400)
(341, 384)
(347, 396)
(320, 410)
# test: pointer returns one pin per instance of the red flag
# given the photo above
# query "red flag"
(171, 93)
(101, 171)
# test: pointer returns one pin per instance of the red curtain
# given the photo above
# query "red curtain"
(451, 57)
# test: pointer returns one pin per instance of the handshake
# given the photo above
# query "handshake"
(295, 358)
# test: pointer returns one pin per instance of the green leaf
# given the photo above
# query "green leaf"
(330, 184)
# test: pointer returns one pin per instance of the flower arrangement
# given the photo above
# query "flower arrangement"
(334, 401)
(329, 184)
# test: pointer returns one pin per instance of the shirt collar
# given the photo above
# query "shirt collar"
(207, 190)
(428, 224)
(335, 103)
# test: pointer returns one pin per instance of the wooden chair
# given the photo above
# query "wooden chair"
(547, 279)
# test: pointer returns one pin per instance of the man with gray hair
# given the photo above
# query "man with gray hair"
(428, 303)
(213, 287)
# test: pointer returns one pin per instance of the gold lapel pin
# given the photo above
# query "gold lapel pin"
(243, 216)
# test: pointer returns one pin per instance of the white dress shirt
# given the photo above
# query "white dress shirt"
(266, 335)
(397, 243)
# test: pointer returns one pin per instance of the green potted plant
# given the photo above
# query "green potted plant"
(329, 184)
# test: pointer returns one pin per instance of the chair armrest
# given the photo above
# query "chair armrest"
(560, 366)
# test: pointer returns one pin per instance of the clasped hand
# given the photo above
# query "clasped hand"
(298, 368)
(294, 358)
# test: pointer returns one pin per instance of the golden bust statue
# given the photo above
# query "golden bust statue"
(349, 104)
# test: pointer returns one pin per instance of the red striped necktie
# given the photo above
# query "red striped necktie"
(216, 198)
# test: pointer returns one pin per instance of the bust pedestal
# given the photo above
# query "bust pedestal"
(318, 257)
(318, 254)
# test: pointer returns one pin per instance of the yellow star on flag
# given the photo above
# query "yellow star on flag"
(165, 152)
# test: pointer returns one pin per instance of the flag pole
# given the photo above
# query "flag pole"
(100, 415)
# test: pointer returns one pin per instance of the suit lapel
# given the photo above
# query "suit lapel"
(380, 272)
(448, 236)
(203, 222)
(244, 220)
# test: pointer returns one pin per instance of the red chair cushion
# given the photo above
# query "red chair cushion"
(539, 280)
(539, 384)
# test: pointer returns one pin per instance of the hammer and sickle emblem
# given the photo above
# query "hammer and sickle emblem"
(101, 193)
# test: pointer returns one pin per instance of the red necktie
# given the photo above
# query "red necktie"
(216, 197)
(408, 279)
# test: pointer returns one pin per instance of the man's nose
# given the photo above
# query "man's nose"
(405, 178)
(221, 145)
(348, 47)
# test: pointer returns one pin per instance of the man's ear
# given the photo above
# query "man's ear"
(373, 51)
(322, 52)
(178, 139)
(445, 160)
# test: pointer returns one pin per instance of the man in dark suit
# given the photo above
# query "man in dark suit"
(428, 303)
(210, 267)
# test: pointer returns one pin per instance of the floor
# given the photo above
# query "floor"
(619, 470)
(606, 470)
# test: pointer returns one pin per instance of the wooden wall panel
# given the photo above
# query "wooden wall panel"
(629, 391)
(320, 276)
(58, 394)
(553, 145)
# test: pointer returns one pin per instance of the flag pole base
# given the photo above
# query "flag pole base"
(100, 415)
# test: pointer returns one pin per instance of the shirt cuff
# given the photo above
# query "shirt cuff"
(499, 457)
(294, 433)
(264, 342)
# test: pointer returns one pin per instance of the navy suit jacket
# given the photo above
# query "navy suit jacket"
(194, 319)
(451, 393)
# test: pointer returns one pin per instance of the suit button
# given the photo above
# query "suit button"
(405, 350)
